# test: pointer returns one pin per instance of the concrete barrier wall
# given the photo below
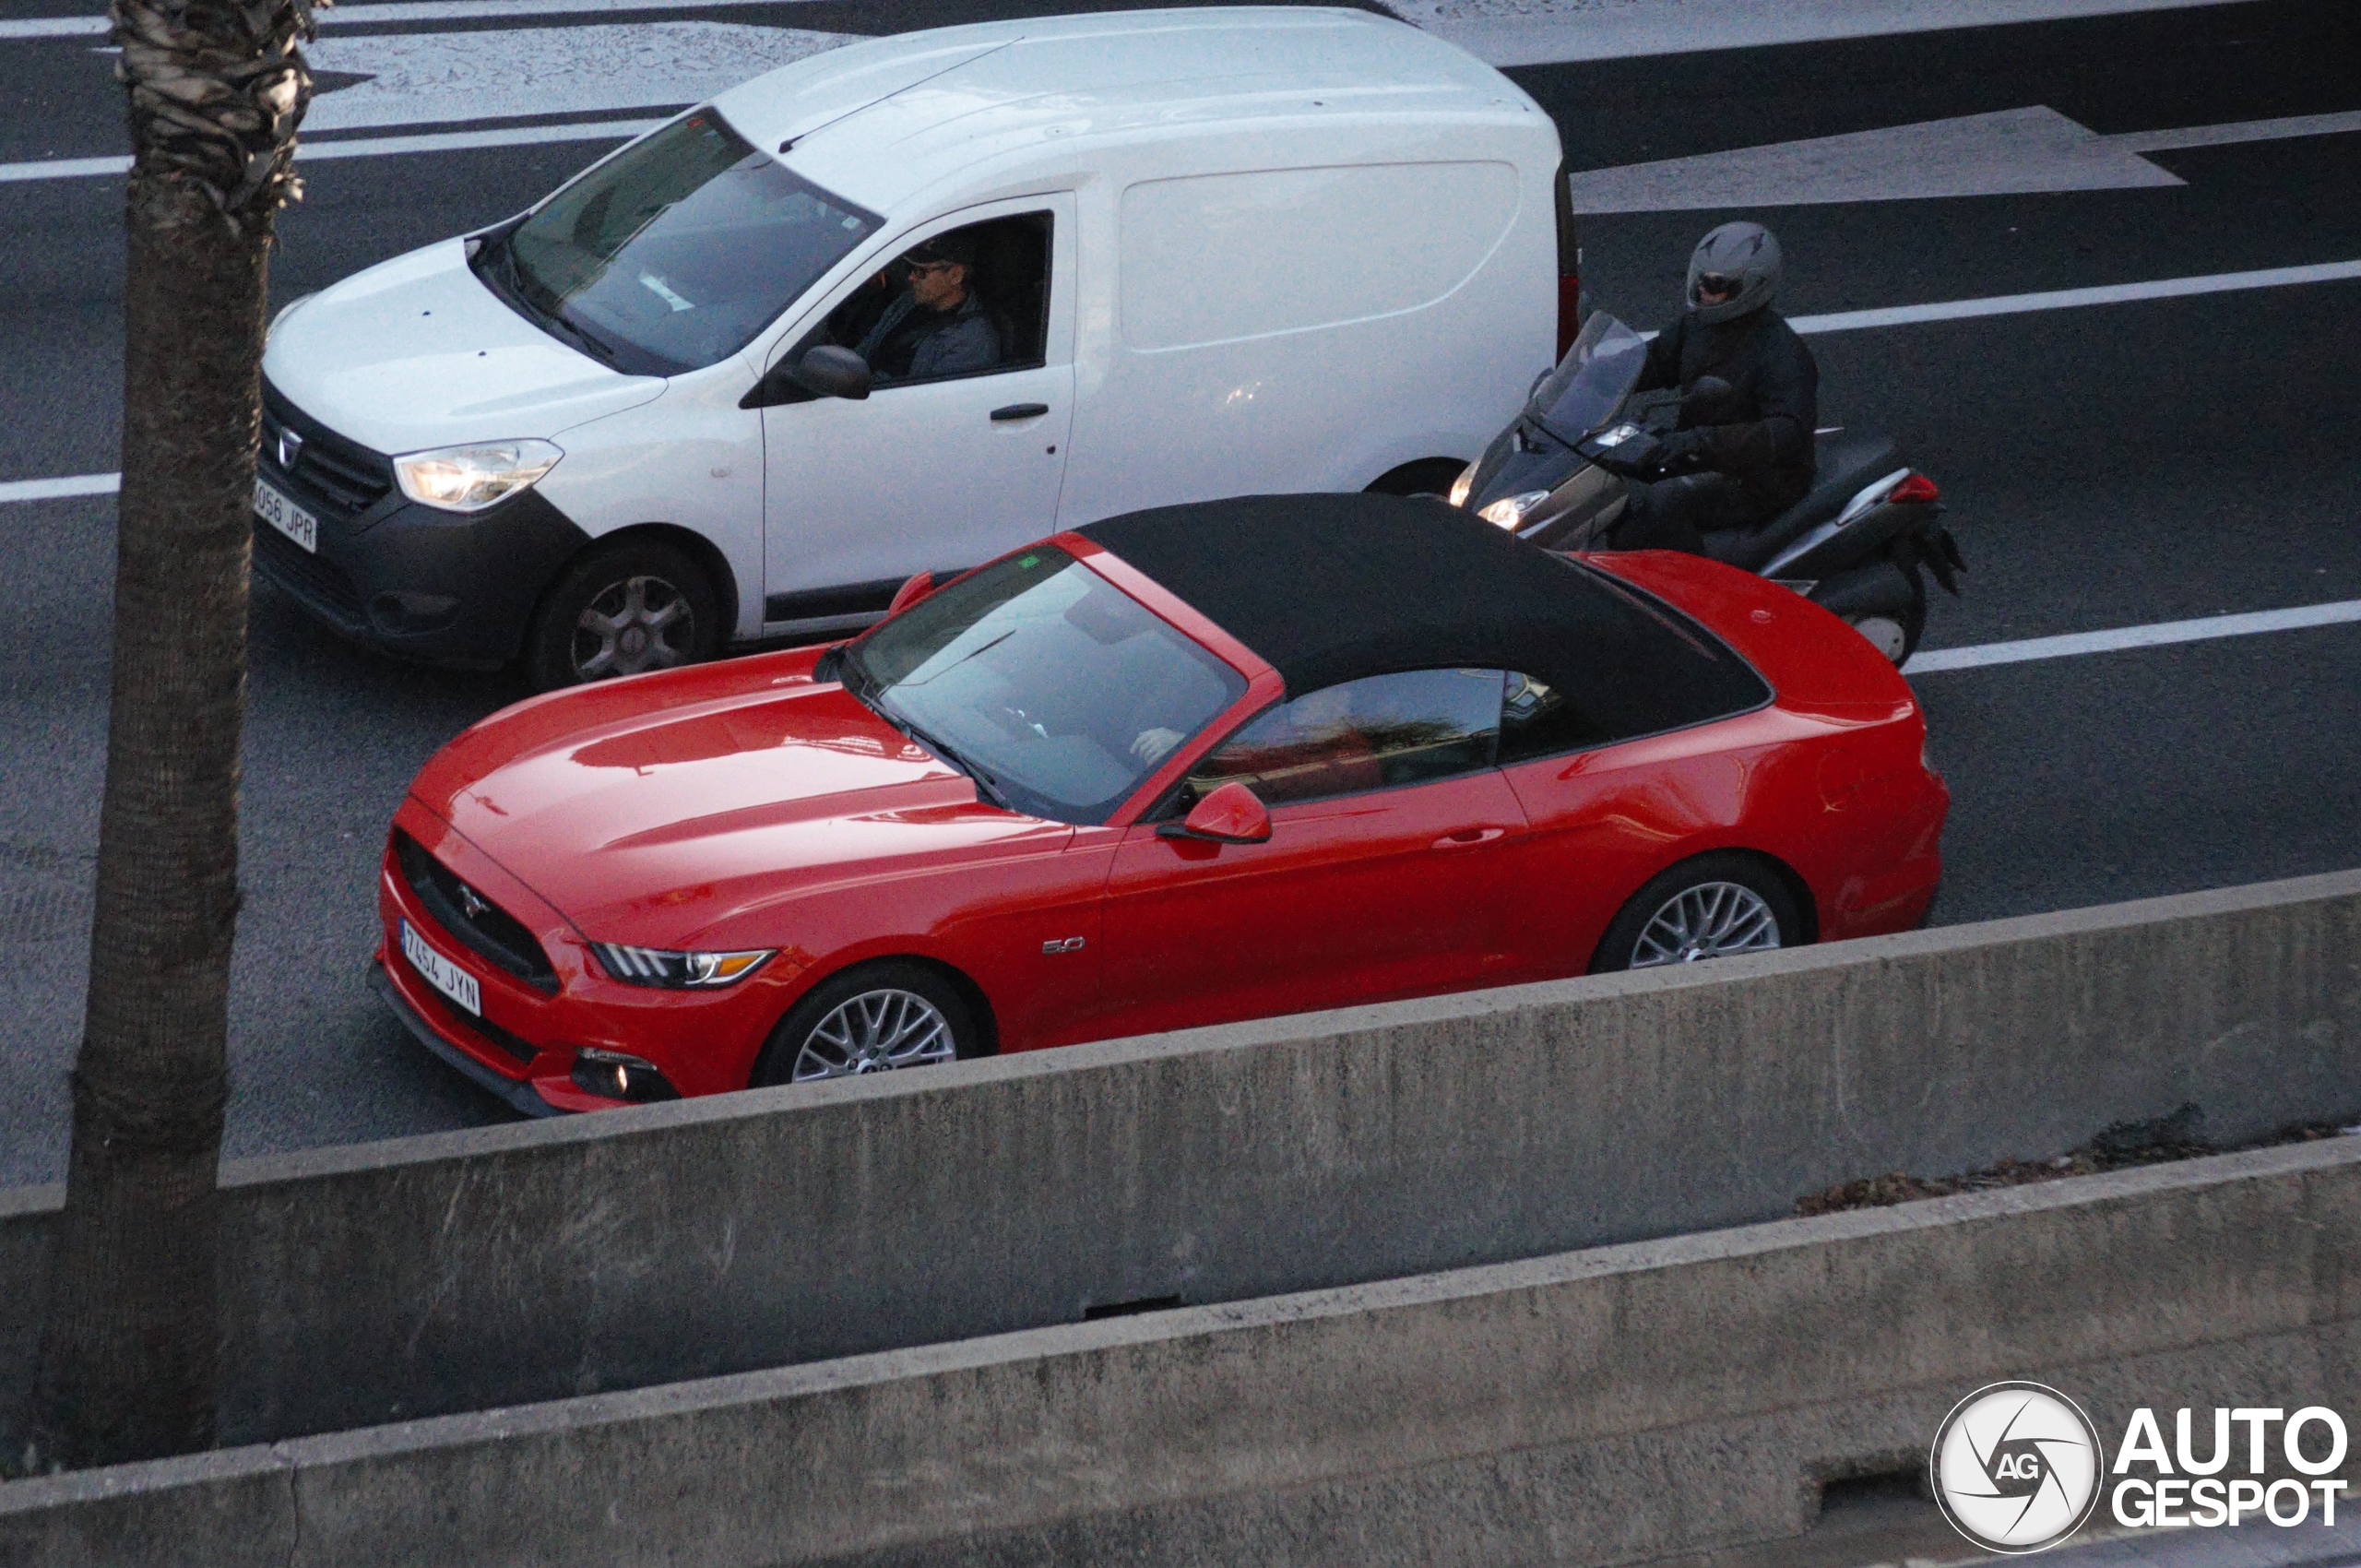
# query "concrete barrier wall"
(653, 1245)
(1593, 1407)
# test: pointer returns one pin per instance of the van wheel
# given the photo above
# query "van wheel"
(623, 610)
(1427, 476)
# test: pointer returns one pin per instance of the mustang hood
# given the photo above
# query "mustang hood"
(654, 825)
(416, 352)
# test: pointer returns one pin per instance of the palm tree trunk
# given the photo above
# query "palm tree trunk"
(128, 1354)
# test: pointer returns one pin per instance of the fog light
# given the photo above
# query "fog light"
(617, 1076)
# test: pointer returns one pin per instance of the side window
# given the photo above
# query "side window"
(1367, 735)
(1536, 720)
(971, 301)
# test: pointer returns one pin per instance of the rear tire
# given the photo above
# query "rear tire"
(623, 609)
(1897, 637)
(873, 1018)
(1712, 907)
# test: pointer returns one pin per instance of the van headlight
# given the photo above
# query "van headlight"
(468, 479)
(1461, 486)
(1510, 511)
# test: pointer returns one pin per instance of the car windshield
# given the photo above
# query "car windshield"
(675, 252)
(1058, 691)
(1601, 367)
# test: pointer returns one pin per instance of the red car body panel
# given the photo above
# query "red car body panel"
(744, 805)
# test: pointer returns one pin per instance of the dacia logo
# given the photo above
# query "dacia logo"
(290, 447)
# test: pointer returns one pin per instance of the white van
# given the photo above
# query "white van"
(903, 305)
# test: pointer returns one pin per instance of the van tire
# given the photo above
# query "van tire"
(1427, 476)
(623, 609)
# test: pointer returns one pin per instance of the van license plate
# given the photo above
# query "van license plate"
(441, 973)
(287, 517)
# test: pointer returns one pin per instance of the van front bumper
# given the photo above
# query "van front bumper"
(435, 584)
(456, 587)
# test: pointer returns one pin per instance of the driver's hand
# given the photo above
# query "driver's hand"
(1153, 744)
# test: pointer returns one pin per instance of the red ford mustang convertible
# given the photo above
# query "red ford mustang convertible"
(1187, 766)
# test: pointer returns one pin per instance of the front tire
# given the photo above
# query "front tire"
(1712, 907)
(623, 610)
(878, 1017)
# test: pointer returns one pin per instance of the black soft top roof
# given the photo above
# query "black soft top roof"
(1335, 587)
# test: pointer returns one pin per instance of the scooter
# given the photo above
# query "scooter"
(1856, 545)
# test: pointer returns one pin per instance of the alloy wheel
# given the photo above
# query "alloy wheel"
(875, 1032)
(635, 624)
(1706, 922)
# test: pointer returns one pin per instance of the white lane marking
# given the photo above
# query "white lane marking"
(367, 147)
(429, 77)
(2067, 299)
(1542, 32)
(2010, 153)
(400, 11)
(2075, 643)
(2241, 131)
(51, 489)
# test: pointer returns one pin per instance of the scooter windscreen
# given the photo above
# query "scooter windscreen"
(1591, 381)
(1530, 457)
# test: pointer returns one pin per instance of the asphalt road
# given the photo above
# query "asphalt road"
(2105, 466)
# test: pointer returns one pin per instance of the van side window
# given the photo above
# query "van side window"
(970, 301)
(1376, 733)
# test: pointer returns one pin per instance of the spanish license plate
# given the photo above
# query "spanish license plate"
(441, 973)
(286, 517)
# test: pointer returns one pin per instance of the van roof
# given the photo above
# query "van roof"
(876, 120)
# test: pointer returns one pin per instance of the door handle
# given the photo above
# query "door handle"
(1467, 835)
(1020, 411)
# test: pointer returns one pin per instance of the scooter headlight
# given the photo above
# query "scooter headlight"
(468, 479)
(1510, 511)
(1461, 486)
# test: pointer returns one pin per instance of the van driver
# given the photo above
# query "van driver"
(936, 326)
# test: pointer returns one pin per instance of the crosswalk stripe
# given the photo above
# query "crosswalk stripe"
(2073, 645)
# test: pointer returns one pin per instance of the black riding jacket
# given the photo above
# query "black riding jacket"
(1763, 439)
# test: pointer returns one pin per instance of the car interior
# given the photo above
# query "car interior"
(1011, 277)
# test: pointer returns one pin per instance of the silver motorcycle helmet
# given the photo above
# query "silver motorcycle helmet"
(1745, 254)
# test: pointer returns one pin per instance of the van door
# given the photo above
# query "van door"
(958, 452)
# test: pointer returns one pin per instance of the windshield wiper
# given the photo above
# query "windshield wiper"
(986, 785)
(515, 289)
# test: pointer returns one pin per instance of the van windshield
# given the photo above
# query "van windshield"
(674, 252)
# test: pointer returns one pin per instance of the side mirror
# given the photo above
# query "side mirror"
(1708, 398)
(918, 588)
(832, 371)
(1231, 814)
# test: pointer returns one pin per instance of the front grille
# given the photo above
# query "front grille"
(310, 575)
(331, 468)
(484, 1029)
(489, 931)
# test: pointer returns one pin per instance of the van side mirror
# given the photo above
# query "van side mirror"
(1230, 814)
(825, 371)
(832, 371)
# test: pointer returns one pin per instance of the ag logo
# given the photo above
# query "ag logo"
(2016, 1467)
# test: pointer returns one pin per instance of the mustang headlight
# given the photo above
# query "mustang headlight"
(677, 971)
(468, 479)
(1461, 485)
(1509, 511)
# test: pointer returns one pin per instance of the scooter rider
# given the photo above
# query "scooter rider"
(1747, 456)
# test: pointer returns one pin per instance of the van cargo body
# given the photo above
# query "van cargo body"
(1204, 252)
